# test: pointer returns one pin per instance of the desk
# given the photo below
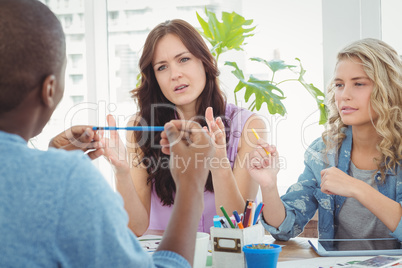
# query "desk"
(296, 252)
(295, 249)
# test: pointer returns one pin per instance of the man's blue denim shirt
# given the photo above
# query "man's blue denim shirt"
(303, 198)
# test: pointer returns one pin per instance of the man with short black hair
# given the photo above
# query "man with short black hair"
(56, 210)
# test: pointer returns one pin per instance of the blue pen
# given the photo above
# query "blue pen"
(137, 128)
(238, 220)
(257, 212)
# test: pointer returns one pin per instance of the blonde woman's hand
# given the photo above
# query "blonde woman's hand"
(263, 167)
(335, 181)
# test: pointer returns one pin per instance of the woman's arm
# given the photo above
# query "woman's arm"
(383, 207)
(264, 169)
(335, 181)
(136, 194)
(130, 178)
(180, 234)
(248, 142)
(233, 187)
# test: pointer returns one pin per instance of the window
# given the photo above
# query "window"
(113, 17)
(77, 99)
(75, 60)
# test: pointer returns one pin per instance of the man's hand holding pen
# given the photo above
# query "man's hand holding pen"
(79, 138)
(190, 150)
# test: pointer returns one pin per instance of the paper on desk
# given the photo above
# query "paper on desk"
(321, 262)
(150, 242)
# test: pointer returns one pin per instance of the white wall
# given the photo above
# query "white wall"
(293, 29)
(345, 21)
(392, 23)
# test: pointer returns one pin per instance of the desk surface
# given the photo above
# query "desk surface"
(295, 249)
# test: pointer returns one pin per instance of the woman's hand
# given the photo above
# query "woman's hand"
(115, 151)
(263, 167)
(335, 181)
(216, 130)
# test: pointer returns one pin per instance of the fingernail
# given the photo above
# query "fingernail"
(87, 132)
(168, 126)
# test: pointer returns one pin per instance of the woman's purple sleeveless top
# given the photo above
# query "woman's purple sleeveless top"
(160, 215)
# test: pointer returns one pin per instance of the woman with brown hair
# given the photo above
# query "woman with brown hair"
(179, 80)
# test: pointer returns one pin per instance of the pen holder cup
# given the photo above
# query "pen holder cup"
(227, 244)
(258, 257)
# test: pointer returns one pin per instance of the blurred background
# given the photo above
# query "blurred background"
(105, 39)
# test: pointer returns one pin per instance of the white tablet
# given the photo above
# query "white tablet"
(357, 247)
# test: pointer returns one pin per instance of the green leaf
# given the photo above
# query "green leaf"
(207, 33)
(264, 91)
(138, 80)
(316, 93)
(226, 35)
(230, 33)
(274, 65)
(237, 72)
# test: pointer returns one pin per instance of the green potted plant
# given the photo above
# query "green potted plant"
(230, 34)
(261, 255)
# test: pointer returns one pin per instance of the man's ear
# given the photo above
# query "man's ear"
(49, 90)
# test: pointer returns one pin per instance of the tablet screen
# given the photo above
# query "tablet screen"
(356, 244)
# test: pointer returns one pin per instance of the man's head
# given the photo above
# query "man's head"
(32, 54)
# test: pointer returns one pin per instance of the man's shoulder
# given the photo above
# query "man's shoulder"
(75, 155)
(75, 170)
(58, 165)
(61, 159)
(73, 163)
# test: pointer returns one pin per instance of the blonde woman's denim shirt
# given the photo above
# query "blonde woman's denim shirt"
(303, 198)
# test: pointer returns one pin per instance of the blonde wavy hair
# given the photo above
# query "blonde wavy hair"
(383, 66)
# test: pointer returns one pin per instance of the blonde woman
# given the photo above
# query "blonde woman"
(353, 172)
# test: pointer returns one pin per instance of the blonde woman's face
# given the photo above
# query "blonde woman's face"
(353, 89)
(180, 75)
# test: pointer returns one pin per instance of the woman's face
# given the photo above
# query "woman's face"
(352, 93)
(180, 75)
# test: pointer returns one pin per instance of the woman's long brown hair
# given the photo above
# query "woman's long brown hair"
(156, 108)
